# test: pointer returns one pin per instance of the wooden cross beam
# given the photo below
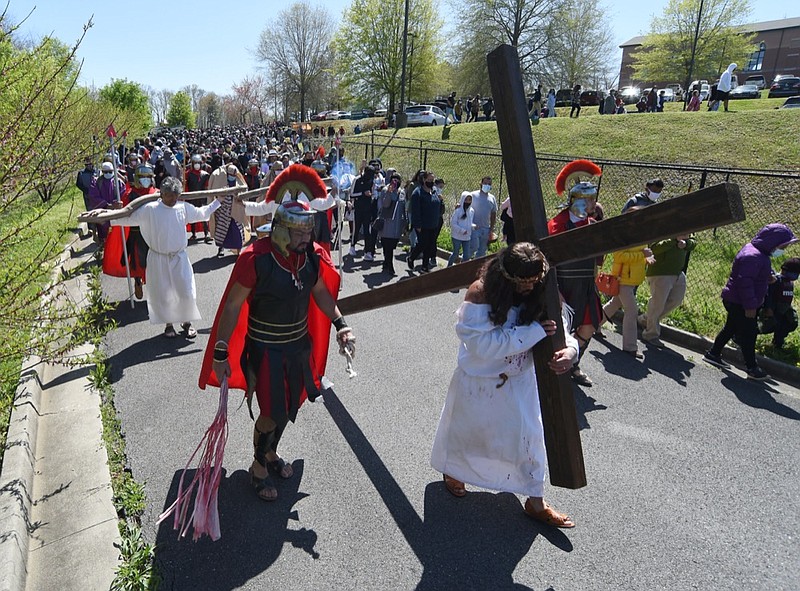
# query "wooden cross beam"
(707, 208)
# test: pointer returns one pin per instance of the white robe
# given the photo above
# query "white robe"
(171, 292)
(490, 432)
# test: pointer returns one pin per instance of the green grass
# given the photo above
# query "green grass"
(754, 136)
(50, 233)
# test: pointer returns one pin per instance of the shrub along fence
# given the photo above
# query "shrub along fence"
(769, 196)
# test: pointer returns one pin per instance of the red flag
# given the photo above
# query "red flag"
(110, 131)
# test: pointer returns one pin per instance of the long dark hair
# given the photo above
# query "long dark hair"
(521, 260)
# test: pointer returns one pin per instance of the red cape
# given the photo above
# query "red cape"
(319, 326)
(112, 255)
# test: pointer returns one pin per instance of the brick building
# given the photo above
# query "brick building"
(778, 53)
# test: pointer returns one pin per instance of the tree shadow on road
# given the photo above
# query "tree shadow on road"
(152, 349)
(253, 533)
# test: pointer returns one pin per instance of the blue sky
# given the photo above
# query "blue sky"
(200, 43)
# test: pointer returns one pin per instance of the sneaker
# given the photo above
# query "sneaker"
(757, 374)
(656, 342)
(716, 360)
(352, 252)
(368, 257)
(635, 354)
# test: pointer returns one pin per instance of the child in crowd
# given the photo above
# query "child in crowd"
(777, 315)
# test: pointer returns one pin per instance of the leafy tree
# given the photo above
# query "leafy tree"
(209, 111)
(195, 93)
(295, 47)
(525, 24)
(131, 97)
(369, 51)
(667, 51)
(180, 110)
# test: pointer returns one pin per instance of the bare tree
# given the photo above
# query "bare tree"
(162, 100)
(525, 24)
(195, 93)
(581, 45)
(252, 91)
(295, 47)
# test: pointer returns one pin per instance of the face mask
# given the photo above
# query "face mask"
(429, 185)
(108, 175)
(790, 276)
(231, 179)
(196, 166)
(578, 209)
(145, 182)
(486, 188)
(654, 196)
(778, 252)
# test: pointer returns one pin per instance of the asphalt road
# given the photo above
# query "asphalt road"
(693, 472)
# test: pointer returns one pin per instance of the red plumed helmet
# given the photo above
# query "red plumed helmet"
(297, 180)
(575, 172)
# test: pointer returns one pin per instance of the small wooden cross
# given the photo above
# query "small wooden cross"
(708, 208)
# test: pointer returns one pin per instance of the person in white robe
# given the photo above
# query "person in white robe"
(490, 431)
(171, 291)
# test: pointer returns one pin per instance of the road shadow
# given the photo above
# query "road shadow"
(616, 362)
(253, 533)
(214, 263)
(669, 363)
(152, 349)
(472, 543)
(758, 395)
(124, 315)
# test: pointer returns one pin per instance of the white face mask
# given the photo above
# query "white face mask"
(231, 178)
(486, 188)
(196, 166)
(654, 196)
(778, 252)
(108, 175)
(145, 182)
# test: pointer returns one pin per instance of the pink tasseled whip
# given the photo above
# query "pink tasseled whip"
(204, 515)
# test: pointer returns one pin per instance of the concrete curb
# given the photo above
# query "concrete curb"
(17, 523)
(16, 481)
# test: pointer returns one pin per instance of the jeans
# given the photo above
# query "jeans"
(479, 242)
(463, 247)
(449, 112)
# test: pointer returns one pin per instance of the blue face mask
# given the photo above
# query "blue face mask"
(790, 276)
(778, 252)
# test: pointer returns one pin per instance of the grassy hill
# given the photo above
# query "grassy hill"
(764, 139)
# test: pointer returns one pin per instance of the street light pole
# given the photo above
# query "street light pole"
(411, 64)
(401, 113)
(694, 50)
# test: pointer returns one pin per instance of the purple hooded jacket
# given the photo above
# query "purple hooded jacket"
(751, 270)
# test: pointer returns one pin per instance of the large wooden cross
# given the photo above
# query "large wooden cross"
(708, 208)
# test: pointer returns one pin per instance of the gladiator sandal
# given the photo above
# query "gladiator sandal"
(264, 487)
(578, 375)
(279, 466)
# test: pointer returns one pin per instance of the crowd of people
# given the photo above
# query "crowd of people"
(280, 302)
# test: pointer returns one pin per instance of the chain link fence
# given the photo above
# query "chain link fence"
(769, 196)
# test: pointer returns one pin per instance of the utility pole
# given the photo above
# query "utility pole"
(402, 119)
(691, 61)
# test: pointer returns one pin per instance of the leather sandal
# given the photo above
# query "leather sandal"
(169, 332)
(281, 468)
(454, 487)
(549, 516)
(188, 330)
(263, 484)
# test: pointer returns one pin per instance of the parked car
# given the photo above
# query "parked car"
(319, 116)
(749, 91)
(669, 95)
(332, 115)
(630, 94)
(758, 81)
(705, 91)
(590, 98)
(793, 102)
(361, 114)
(788, 86)
(677, 91)
(344, 115)
(381, 112)
(425, 115)
(564, 97)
